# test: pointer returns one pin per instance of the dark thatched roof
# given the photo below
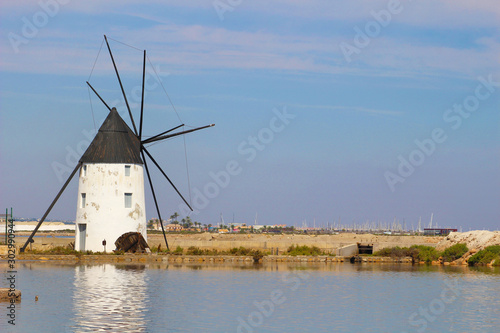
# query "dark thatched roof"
(114, 143)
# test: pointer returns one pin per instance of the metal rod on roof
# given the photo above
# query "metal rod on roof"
(142, 99)
(165, 175)
(175, 134)
(154, 198)
(121, 85)
(95, 92)
(30, 238)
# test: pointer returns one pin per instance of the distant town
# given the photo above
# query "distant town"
(175, 224)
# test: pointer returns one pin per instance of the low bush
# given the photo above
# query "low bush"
(454, 252)
(240, 251)
(194, 251)
(58, 250)
(416, 252)
(424, 253)
(304, 250)
(178, 250)
(486, 256)
(257, 255)
(394, 252)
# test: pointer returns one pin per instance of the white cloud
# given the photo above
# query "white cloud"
(195, 47)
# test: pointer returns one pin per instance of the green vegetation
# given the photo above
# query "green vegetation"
(454, 252)
(416, 252)
(236, 251)
(178, 250)
(58, 250)
(62, 250)
(486, 256)
(305, 250)
(241, 251)
(424, 253)
(393, 252)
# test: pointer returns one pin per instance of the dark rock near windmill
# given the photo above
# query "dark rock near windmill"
(132, 242)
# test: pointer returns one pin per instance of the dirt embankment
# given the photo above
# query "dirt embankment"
(282, 242)
(475, 240)
(254, 241)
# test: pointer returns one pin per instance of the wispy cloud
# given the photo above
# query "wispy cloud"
(196, 47)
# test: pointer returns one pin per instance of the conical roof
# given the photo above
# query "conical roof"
(114, 143)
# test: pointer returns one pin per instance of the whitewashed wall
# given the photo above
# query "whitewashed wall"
(104, 213)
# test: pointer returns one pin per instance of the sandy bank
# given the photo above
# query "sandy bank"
(256, 241)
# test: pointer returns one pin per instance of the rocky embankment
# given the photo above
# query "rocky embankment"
(475, 240)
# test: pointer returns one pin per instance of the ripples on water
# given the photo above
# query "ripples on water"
(225, 298)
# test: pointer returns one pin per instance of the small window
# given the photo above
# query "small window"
(84, 197)
(127, 170)
(128, 200)
(84, 171)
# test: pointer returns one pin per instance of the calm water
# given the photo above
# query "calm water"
(254, 298)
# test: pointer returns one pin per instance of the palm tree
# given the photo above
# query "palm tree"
(189, 223)
(174, 218)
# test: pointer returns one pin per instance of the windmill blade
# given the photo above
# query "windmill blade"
(30, 238)
(175, 134)
(142, 98)
(163, 133)
(154, 198)
(95, 92)
(121, 85)
(165, 175)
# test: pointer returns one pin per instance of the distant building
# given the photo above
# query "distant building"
(173, 227)
(438, 231)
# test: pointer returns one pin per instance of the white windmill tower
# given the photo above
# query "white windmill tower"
(111, 187)
(111, 183)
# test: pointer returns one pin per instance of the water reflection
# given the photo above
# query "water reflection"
(210, 297)
(110, 298)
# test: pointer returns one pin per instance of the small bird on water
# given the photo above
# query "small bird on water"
(36, 298)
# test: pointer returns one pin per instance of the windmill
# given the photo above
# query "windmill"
(111, 182)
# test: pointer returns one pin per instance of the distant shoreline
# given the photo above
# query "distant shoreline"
(264, 242)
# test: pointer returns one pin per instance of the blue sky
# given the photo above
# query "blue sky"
(357, 102)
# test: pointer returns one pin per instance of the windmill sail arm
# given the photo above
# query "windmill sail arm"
(165, 175)
(154, 197)
(95, 92)
(163, 137)
(142, 96)
(30, 238)
(163, 133)
(121, 85)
